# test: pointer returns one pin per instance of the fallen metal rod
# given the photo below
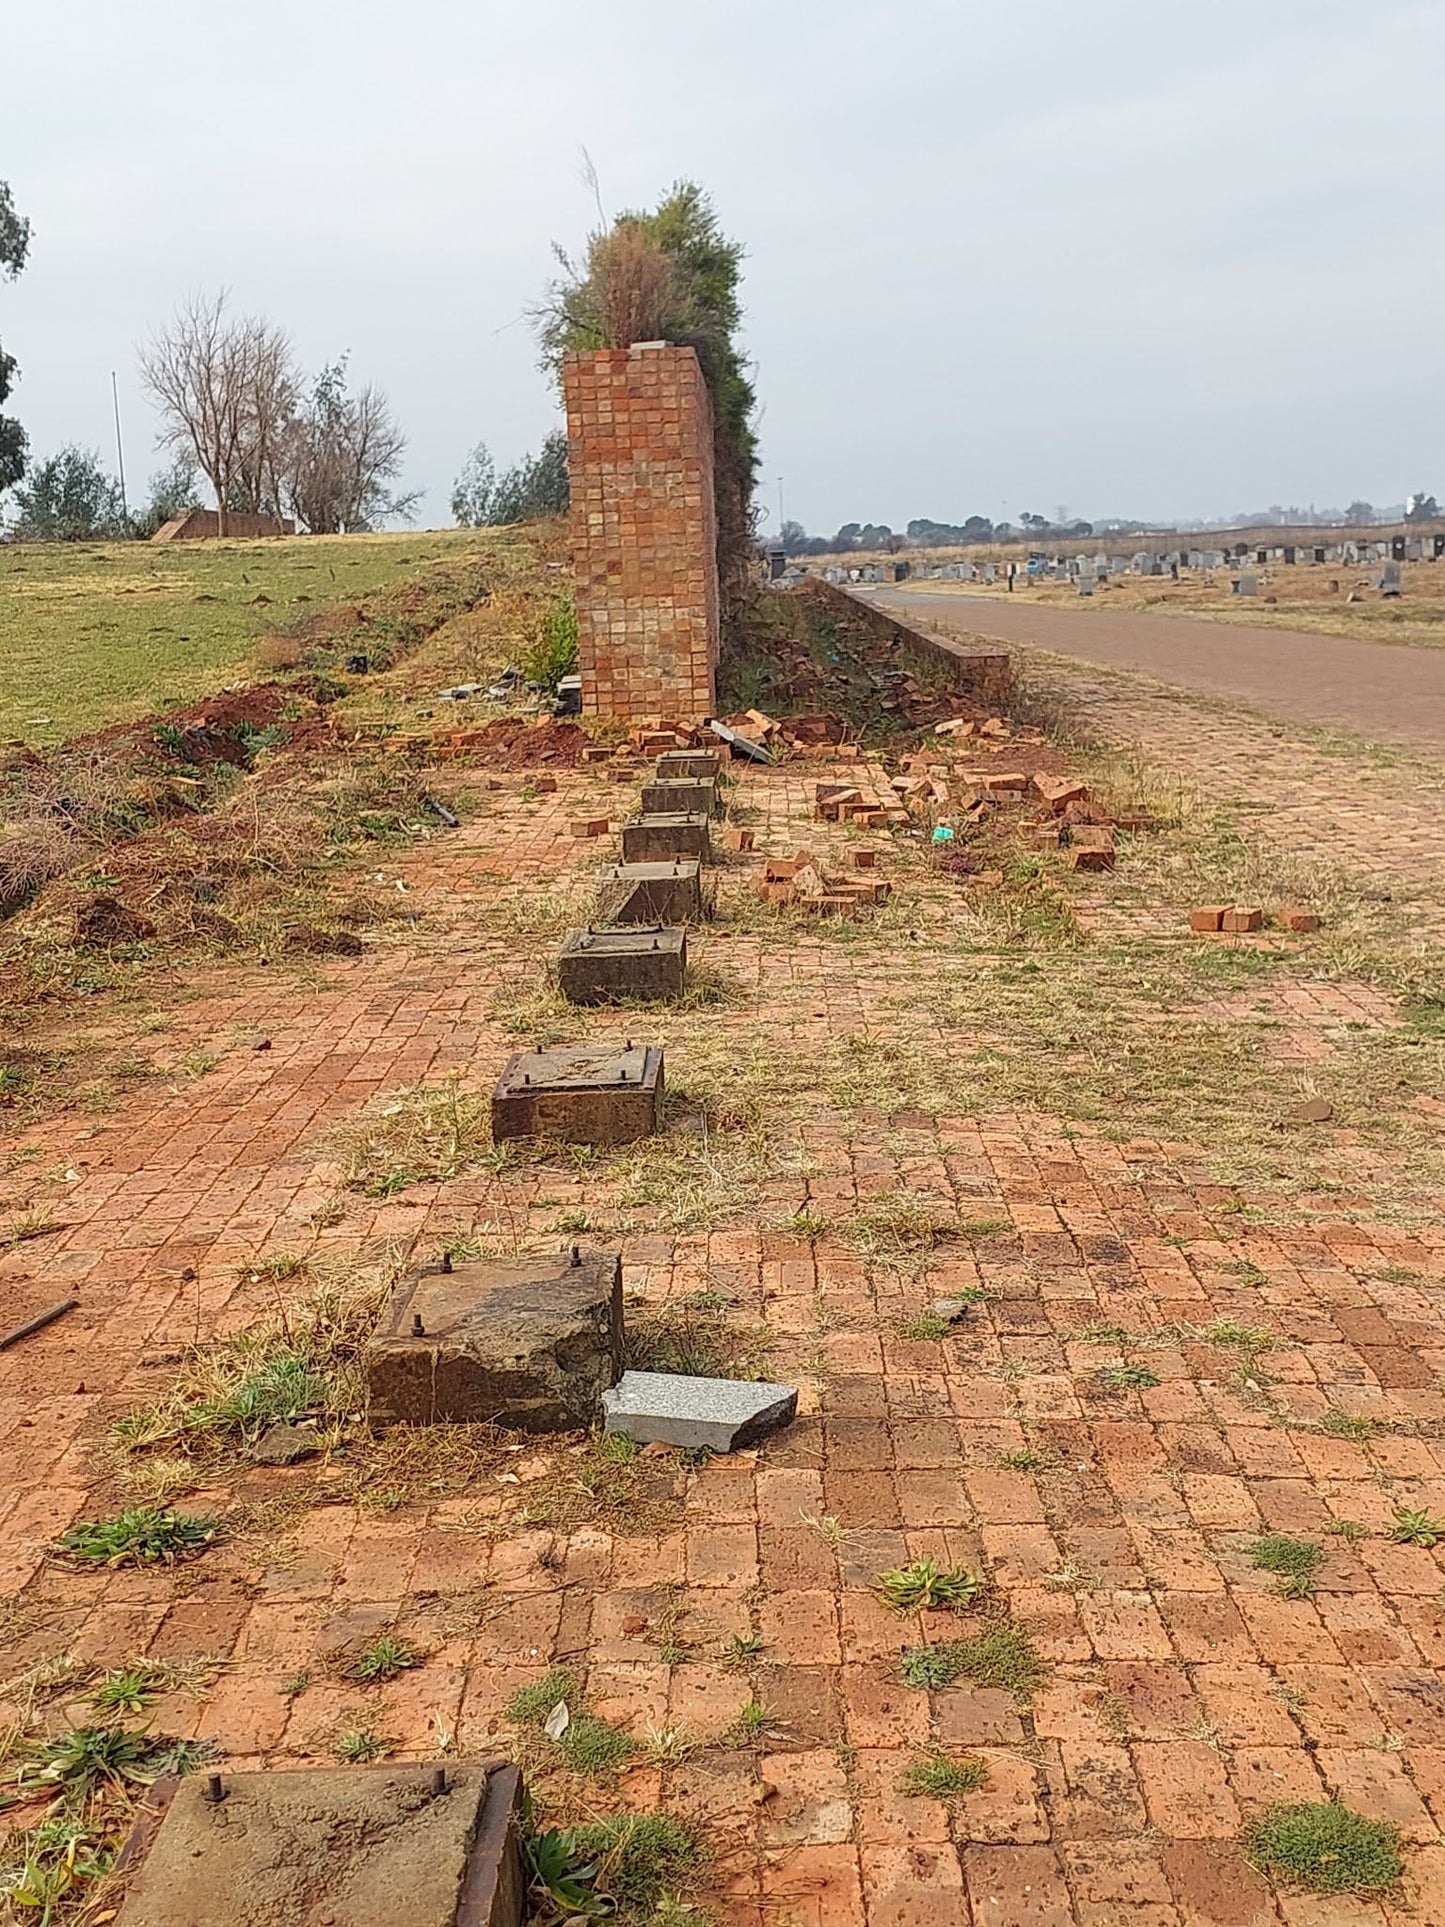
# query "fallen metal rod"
(440, 809)
(37, 1323)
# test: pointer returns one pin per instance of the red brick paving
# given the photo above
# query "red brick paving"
(1183, 1693)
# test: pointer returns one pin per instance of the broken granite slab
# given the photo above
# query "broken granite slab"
(721, 1414)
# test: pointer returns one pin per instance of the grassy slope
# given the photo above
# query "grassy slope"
(106, 632)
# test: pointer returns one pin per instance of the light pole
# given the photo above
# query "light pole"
(780, 508)
(119, 451)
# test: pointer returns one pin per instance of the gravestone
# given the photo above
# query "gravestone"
(666, 837)
(580, 1093)
(720, 1414)
(1246, 585)
(650, 892)
(643, 961)
(1391, 581)
(526, 1343)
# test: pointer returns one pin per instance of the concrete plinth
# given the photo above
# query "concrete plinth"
(530, 1343)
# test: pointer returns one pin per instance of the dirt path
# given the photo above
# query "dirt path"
(1388, 695)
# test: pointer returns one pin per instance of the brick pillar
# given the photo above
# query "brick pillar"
(644, 531)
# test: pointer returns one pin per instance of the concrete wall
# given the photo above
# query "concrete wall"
(200, 525)
(644, 531)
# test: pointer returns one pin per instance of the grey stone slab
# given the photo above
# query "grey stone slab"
(722, 1414)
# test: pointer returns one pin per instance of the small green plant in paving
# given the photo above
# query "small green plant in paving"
(530, 1705)
(359, 1745)
(1348, 1425)
(1326, 1847)
(1032, 1458)
(641, 1860)
(1125, 1378)
(129, 1690)
(930, 1667)
(1417, 1527)
(1292, 1561)
(743, 1649)
(926, 1326)
(924, 1585)
(1350, 1530)
(139, 1536)
(383, 1659)
(1003, 1656)
(937, 1776)
(753, 1723)
(88, 1757)
(590, 1745)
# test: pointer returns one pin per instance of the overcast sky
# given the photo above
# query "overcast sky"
(1137, 257)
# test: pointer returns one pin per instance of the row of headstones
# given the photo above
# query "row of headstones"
(645, 903)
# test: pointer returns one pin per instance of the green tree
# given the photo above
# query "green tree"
(14, 246)
(536, 486)
(672, 275)
(173, 490)
(69, 498)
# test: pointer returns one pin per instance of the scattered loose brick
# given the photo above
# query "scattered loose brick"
(1210, 918)
(1300, 921)
(544, 785)
(1092, 856)
(1058, 792)
(865, 859)
(589, 826)
(737, 839)
(1238, 921)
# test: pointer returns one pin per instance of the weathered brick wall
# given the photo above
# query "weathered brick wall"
(644, 531)
(983, 676)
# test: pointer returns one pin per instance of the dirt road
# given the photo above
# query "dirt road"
(1371, 689)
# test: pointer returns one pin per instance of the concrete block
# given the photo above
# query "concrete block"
(688, 762)
(377, 1846)
(530, 1343)
(680, 796)
(655, 839)
(722, 1414)
(650, 892)
(645, 961)
(580, 1093)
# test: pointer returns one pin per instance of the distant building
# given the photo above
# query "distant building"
(200, 525)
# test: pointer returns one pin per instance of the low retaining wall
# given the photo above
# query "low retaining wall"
(982, 676)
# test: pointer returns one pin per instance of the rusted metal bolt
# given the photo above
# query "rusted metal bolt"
(215, 1790)
(446, 1261)
(418, 1329)
(576, 1254)
(438, 1780)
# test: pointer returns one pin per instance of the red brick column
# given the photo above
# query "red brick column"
(644, 530)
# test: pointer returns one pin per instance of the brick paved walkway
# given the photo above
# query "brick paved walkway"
(1182, 1692)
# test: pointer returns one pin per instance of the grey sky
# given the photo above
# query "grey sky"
(1134, 257)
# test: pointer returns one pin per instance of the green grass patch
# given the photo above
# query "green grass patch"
(100, 633)
(1292, 1561)
(937, 1776)
(1326, 1847)
(139, 1536)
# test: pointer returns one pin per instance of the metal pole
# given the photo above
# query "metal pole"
(780, 508)
(119, 451)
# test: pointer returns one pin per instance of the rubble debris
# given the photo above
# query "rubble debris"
(1314, 1110)
(286, 1444)
(712, 1414)
(739, 744)
(799, 880)
(1211, 917)
(643, 961)
(526, 1343)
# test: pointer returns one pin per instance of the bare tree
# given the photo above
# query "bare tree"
(344, 451)
(227, 395)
